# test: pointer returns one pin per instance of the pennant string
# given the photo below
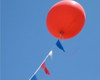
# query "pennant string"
(40, 65)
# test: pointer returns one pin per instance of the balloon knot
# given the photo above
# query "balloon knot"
(61, 33)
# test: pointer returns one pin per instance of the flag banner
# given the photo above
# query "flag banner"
(59, 45)
(45, 69)
(34, 77)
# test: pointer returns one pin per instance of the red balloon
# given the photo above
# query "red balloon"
(65, 19)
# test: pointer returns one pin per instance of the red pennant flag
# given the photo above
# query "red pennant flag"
(45, 69)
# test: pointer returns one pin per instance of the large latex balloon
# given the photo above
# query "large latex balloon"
(65, 19)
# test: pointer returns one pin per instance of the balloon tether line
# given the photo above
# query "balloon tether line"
(39, 66)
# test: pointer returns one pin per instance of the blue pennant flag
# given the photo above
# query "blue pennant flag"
(59, 45)
(34, 77)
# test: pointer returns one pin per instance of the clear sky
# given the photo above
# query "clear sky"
(26, 41)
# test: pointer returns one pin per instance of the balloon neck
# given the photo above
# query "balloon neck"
(61, 33)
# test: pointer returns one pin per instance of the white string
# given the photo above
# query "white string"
(41, 65)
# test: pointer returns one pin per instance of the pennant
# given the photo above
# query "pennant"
(59, 45)
(45, 69)
(51, 54)
(34, 77)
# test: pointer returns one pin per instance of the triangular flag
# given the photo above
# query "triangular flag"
(59, 45)
(34, 77)
(51, 54)
(45, 69)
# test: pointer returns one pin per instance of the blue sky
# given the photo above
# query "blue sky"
(25, 41)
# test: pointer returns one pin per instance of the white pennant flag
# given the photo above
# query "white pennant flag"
(51, 54)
